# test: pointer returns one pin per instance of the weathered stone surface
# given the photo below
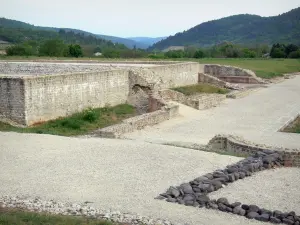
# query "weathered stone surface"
(187, 188)
(263, 217)
(287, 221)
(253, 208)
(223, 201)
(252, 215)
(274, 220)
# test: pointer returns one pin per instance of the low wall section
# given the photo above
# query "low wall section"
(230, 74)
(236, 145)
(12, 100)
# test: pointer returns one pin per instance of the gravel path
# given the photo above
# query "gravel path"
(119, 175)
(256, 117)
(276, 189)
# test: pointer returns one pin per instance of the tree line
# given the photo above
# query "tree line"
(59, 48)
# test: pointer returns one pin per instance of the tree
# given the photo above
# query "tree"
(21, 50)
(55, 47)
(75, 51)
(278, 51)
(199, 54)
(247, 53)
(291, 48)
(294, 54)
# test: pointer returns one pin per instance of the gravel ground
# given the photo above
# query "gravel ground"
(256, 117)
(39, 68)
(276, 189)
(119, 175)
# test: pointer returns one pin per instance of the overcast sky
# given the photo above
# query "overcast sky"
(124, 18)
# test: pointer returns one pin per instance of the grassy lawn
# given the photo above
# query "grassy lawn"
(18, 217)
(264, 68)
(294, 127)
(200, 88)
(78, 123)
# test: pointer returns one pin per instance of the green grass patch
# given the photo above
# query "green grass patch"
(264, 68)
(200, 88)
(19, 217)
(294, 127)
(78, 123)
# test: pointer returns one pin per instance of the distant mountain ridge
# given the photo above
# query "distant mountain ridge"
(142, 43)
(239, 29)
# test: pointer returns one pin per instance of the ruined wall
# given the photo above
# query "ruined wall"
(50, 97)
(12, 105)
(232, 144)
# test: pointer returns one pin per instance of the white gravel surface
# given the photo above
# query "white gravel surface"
(256, 117)
(40, 68)
(119, 175)
(276, 189)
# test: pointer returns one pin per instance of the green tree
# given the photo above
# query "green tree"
(247, 53)
(294, 54)
(21, 50)
(199, 54)
(54, 48)
(278, 51)
(75, 51)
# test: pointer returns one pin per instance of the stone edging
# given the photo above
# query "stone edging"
(138, 122)
(195, 193)
(72, 209)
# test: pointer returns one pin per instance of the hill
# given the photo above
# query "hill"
(239, 29)
(16, 31)
(148, 41)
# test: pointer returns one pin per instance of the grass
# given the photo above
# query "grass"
(19, 217)
(200, 88)
(264, 68)
(294, 127)
(78, 123)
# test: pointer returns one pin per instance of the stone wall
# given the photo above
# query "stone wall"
(138, 122)
(12, 104)
(230, 73)
(199, 101)
(27, 99)
(232, 144)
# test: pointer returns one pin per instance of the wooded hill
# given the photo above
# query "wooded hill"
(239, 29)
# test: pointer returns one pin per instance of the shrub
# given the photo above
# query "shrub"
(75, 51)
(90, 116)
(199, 54)
(294, 54)
(54, 47)
(20, 50)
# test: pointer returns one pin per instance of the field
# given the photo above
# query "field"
(264, 68)
(78, 123)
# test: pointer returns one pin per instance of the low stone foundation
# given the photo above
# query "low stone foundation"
(199, 101)
(196, 193)
(138, 122)
(233, 144)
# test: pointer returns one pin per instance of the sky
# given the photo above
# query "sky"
(135, 18)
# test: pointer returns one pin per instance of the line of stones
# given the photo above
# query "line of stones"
(195, 193)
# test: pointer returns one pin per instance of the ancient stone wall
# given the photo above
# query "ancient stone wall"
(224, 143)
(138, 122)
(199, 101)
(230, 74)
(12, 104)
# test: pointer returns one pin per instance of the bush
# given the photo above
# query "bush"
(175, 54)
(90, 116)
(199, 54)
(54, 48)
(20, 50)
(247, 53)
(75, 51)
(294, 54)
